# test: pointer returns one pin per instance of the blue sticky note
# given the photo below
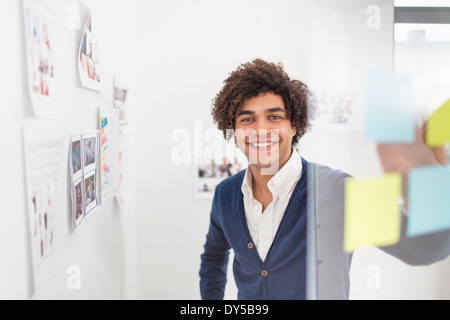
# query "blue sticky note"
(389, 108)
(429, 200)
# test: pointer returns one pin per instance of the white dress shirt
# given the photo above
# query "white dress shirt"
(263, 226)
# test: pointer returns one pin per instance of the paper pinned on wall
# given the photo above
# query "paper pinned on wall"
(219, 161)
(372, 212)
(429, 200)
(45, 150)
(121, 93)
(109, 152)
(42, 44)
(438, 126)
(89, 66)
(83, 166)
(389, 108)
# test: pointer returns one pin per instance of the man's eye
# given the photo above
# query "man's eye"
(274, 117)
(247, 120)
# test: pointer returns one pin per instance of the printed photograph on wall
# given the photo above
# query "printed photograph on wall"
(211, 172)
(89, 66)
(79, 209)
(90, 191)
(42, 44)
(84, 182)
(90, 145)
(76, 156)
(121, 92)
(335, 111)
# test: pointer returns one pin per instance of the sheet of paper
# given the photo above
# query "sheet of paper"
(45, 149)
(372, 212)
(389, 108)
(219, 161)
(429, 200)
(83, 167)
(89, 66)
(109, 151)
(42, 43)
(438, 126)
(121, 93)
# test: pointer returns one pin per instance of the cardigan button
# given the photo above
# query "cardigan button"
(264, 273)
(251, 245)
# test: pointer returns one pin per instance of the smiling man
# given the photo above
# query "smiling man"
(264, 133)
(261, 213)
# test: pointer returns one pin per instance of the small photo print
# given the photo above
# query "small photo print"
(89, 59)
(120, 95)
(335, 111)
(209, 174)
(90, 190)
(76, 156)
(78, 201)
(90, 145)
(218, 170)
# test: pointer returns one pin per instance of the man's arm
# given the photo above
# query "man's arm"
(420, 250)
(214, 260)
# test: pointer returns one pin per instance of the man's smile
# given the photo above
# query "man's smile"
(263, 145)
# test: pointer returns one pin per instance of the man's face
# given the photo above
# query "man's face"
(264, 133)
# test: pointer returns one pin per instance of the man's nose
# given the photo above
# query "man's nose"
(262, 125)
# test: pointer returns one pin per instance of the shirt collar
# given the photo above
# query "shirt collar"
(282, 182)
(285, 179)
(247, 185)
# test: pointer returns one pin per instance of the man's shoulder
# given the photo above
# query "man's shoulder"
(329, 189)
(326, 172)
(327, 177)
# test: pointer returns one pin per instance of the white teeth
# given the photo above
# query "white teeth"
(261, 145)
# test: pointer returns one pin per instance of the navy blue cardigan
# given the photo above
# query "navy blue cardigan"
(283, 273)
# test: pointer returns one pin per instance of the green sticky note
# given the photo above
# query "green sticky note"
(438, 126)
(372, 212)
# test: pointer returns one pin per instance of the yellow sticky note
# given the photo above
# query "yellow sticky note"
(372, 212)
(438, 126)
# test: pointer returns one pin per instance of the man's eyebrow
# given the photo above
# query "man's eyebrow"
(245, 113)
(271, 110)
(276, 109)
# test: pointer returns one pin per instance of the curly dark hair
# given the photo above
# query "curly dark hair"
(256, 77)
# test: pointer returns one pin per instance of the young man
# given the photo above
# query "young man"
(261, 213)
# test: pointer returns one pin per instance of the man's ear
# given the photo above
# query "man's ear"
(295, 131)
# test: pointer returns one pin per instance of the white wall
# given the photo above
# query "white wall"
(178, 53)
(104, 248)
